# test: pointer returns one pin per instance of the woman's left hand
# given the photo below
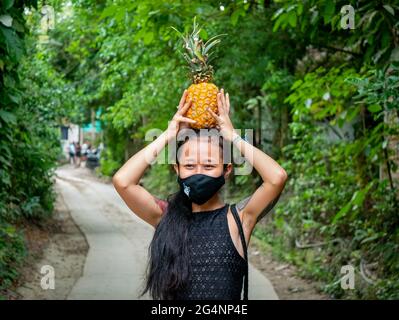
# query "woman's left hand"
(224, 123)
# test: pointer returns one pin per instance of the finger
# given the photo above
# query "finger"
(185, 119)
(213, 114)
(183, 98)
(220, 103)
(228, 103)
(223, 99)
(184, 109)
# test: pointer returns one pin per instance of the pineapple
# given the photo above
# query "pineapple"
(202, 92)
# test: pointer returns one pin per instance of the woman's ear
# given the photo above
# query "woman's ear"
(176, 167)
(229, 169)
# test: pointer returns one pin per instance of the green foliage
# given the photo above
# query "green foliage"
(336, 192)
(108, 166)
(319, 22)
(34, 98)
(12, 251)
(161, 180)
(321, 94)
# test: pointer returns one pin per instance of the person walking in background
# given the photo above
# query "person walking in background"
(85, 147)
(72, 153)
(78, 153)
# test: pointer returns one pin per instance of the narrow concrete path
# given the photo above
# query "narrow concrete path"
(118, 240)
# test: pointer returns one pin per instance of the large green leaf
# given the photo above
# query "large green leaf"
(329, 11)
(7, 117)
(7, 4)
(13, 43)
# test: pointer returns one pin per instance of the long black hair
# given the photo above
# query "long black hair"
(168, 269)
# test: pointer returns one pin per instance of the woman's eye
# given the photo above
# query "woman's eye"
(209, 166)
(189, 166)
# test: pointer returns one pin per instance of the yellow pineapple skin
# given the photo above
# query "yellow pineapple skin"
(203, 95)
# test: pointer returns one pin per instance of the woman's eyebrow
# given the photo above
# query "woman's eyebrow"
(193, 160)
(212, 161)
(188, 162)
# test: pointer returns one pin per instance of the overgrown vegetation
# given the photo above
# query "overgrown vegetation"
(34, 98)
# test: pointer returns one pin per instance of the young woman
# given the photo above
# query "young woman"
(197, 251)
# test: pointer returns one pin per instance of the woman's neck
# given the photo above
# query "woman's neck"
(213, 203)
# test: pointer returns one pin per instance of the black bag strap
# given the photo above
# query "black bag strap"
(244, 245)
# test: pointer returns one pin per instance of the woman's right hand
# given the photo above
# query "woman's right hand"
(179, 121)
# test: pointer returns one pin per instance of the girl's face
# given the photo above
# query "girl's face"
(201, 155)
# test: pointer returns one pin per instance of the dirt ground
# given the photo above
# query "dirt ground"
(283, 276)
(58, 243)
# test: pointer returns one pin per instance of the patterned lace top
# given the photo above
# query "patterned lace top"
(217, 268)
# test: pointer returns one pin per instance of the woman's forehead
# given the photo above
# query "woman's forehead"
(199, 151)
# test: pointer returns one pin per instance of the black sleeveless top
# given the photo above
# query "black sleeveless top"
(217, 268)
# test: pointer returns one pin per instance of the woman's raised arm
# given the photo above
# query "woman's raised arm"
(273, 175)
(127, 179)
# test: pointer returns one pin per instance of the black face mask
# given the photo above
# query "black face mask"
(199, 188)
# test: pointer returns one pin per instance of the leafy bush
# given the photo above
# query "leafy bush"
(12, 252)
(33, 99)
(338, 201)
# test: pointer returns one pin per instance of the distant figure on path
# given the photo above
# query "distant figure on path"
(72, 151)
(78, 153)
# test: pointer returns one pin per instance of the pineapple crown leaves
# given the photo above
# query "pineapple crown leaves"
(198, 54)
